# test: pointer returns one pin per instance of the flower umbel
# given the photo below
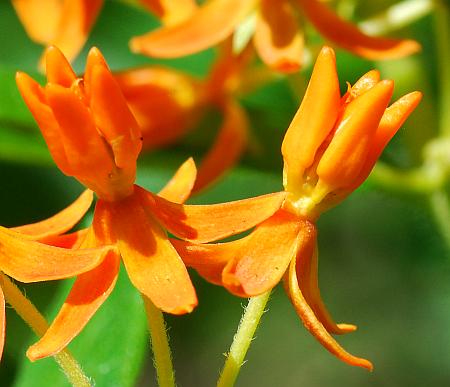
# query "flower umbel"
(93, 136)
(329, 149)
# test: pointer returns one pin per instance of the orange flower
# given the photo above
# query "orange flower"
(93, 136)
(26, 256)
(64, 23)
(277, 36)
(329, 149)
(167, 104)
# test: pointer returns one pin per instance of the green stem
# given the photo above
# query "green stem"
(28, 312)
(160, 345)
(442, 28)
(242, 339)
(441, 210)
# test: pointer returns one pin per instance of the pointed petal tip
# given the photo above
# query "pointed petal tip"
(347, 328)
(34, 354)
(180, 310)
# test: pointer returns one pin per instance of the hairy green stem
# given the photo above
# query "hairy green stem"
(160, 345)
(242, 339)
(28, 312)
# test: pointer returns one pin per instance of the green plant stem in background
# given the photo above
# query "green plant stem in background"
(28, 312)
(242, 339)
(160, 345)
(441, 209)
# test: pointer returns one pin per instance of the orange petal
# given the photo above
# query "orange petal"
(61, 222)
(364, 84)
(393, 118)
(227, 148)
(94, 58)
(88, 293)
(113, 117)
(34, 97)
(207, 223)
(152, 263)
(2, 322)
(262, 261)
(278, 38)
(67, 241)
(307, 273)
(313, 121)
(30, 261)
(179, 187)
(314, 326)
(171, 12)
(39, 17)
(209, 25)
(344, 157)
(351, 38)
(58, 69)
(208, 259)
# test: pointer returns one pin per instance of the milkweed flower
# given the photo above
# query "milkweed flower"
(63, 23)
(27, 253)
(277, 35)
(93, 136)
(168, 103)
(329, 149)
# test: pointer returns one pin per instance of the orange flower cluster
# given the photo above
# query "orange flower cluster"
(95, 127)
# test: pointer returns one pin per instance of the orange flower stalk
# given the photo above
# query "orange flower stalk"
(329, 149)
(93, 136)
(277, 36)
(63, 23)
(26, 254)
(167, 104)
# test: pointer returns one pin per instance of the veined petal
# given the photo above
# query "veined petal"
(88, 293)
(393, 118)
(278, 38)
(34, 97)
(208, 259)
(351, 38)
(209, 25)
(39, 17)
(179, 187)
(315, 327)
(2, 322)
(307, 274)
(61, 222)
(227, 148)
(169, 11)
(207, 223)
(58, 69)
(344, 158)
(113, 117)
(313, 121)
(30, 261)
(152, 263)
(262, 261)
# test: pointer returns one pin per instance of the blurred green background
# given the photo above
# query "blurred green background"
(383, 263)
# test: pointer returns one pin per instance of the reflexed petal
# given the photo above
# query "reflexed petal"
(209, 25)
(30, 261)
(227, 148)
(393, 118)
(152, 263)
(262, 261)
(207, 223)
(61, 222)
(113, 117)
(58, 69)
(307, 274)
(314, 119)
(34, 97)
(314, 326)
(88, 293)
(278, 38)
(179, 187)
(351, 38)
(343, 159)
(208, 259)
(171, 12)
(2, 321)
